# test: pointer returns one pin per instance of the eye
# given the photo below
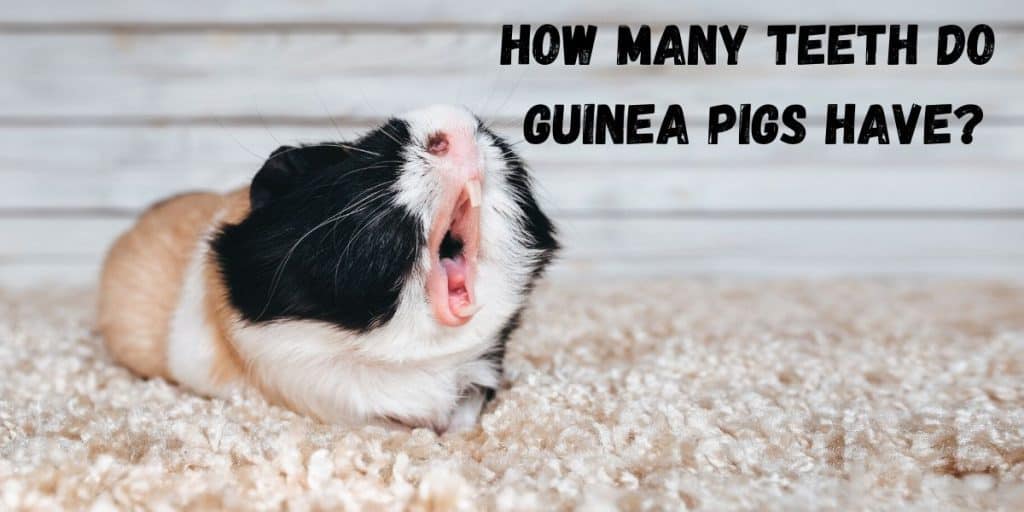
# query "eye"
(437, 144)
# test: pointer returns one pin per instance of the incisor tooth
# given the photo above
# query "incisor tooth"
(473, 191)
(470, 310)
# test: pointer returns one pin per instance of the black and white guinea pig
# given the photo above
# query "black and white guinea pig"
(368, 281)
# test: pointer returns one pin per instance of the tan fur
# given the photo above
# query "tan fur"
(143, 277)
(227, 364)
(142, 281)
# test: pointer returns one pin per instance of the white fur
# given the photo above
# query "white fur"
(190, 350)
(325, 371)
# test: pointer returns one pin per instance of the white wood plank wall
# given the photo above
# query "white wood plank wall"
(106, 106)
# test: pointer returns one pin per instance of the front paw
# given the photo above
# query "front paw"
(467, 411)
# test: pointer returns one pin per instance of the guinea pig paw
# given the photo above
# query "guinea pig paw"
(466, 414)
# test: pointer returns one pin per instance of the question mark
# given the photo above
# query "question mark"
(976, 116)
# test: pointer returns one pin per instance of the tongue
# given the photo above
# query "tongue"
(450, 289)
(458, 295)
(451, 279)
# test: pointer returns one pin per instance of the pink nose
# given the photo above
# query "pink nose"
(437, 144)
(459, 149)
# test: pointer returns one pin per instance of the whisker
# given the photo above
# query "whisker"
(508, 97)
(266, 127)
(329, 145)
(374, 166)
(378, 113)
(275, 281)
(243, 146)
(354, 148)
(379, 191)
(377, 215)
(328, 112)
(383, 129)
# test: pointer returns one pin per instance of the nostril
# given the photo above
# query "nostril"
(437, 144)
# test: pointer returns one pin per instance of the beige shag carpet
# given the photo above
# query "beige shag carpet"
(691, 394)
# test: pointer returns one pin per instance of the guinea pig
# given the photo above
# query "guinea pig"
(361, 282)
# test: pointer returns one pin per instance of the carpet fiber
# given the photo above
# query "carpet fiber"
(699, 394)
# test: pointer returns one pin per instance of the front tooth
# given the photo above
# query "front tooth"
(473, 191)
(470, 310)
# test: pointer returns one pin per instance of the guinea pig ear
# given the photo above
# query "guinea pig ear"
(288, 166)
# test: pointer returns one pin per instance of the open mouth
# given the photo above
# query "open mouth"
(454, 244)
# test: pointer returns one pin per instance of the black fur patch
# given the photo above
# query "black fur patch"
(324, 240)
